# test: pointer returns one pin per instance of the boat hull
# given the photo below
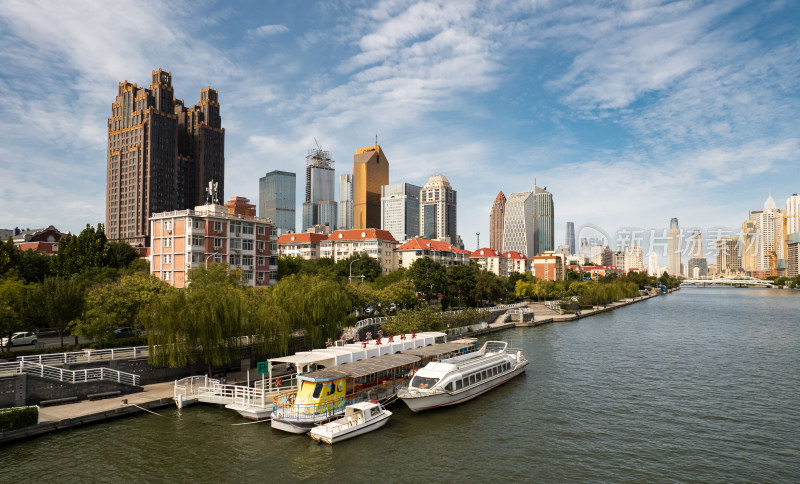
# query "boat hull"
(335, 437)
(421, 402)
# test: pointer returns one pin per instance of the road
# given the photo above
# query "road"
(50, 341)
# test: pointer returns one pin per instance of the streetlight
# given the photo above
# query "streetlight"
(351, 270)
(210, 256)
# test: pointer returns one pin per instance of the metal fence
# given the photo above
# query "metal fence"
(87, 356)
(70, 376)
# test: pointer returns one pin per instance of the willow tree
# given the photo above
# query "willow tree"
(316, 305)
(205, 322)
(266, 322)
(56, 302)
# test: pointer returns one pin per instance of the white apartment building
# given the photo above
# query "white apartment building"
(436, 250)
(376, 243)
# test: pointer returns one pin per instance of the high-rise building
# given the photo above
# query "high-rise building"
(545, 228)
(277, 201)
(437, 210)
(633, 259)
(161, 155)
(652, 265)
(519, 224)
(370, 173)
(320, 187)
(400, 210)
(569, 238)
(696, 259)
(729, 260)
(792, 214)
(345, 220)
(674, 249)
(766, 247)
(749, 246)
(496, 218)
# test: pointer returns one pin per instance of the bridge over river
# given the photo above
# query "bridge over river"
(741, 281)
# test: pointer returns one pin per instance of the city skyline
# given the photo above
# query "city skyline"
(490, 96)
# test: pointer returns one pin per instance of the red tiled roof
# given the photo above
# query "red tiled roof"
(301, 237)
(485, 252)
(500, 196)
(601, 268)
(425, 244)
(513, 254)
(359, 234)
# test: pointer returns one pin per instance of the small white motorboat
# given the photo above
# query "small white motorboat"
(359, 418)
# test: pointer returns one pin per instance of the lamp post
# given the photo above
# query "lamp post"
(351, 271)
(210, 256)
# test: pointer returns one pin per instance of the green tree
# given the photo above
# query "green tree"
(12, 306)
(120, 254)
(488, 288)
(56, 302)
(118, 303)
(425, 318)
(362, 265)
(461, 283)
(400, 293)
(9, 256)
(428, 276)
(76, 253)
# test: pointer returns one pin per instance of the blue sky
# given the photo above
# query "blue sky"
(629, 112)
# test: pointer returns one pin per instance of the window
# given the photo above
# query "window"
(218, 227)
(261, 246)
(195, 240)
(168, 225)
(260, 277)
(236, 227)
(236, 243)
(167, 275)
(247, 244)
(247, 229)
(167, 242)
(167, 259)
(247, 260)
(217, 243)
(261, 261)
(262, 230)
(234, 259)
(459, 384)
(472, 379)
(248, 276)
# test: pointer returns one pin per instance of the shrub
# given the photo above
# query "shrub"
(17, 418)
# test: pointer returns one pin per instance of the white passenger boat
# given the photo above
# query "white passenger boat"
(461, 378)
(358, 419)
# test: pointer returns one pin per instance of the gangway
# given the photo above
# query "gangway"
(254, 402)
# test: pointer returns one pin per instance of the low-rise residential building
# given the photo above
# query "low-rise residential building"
(376, 243)
(517, 262)
(188, 239)
(439, 251)
(490, 260)
(305, 245)
(43, 240)
(549, 266)
(600, 271)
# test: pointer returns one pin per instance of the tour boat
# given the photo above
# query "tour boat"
(324, 394)
(461, 378)
(358, 419)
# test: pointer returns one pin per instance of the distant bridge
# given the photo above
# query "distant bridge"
(727, 281)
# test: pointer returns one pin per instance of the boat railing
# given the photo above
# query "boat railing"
(285, 407)
(287, 383)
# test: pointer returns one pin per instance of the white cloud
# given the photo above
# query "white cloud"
(267, 30)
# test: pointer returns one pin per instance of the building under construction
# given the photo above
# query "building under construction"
(320, 205)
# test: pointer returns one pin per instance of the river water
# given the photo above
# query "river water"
(697, 386)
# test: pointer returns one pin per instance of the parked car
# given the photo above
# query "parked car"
(126, 332)
(20, 339)
(369, 310)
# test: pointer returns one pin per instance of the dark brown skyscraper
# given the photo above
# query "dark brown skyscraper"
(161, 155)
(496, 219)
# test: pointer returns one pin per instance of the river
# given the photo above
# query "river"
(696, 386)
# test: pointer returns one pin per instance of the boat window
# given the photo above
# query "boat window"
(471, 379)
(459, 384)
(449, 387)
(422, 382)
(483, 375)
(317, 390)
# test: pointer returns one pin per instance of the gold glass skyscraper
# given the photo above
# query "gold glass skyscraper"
(370, 173)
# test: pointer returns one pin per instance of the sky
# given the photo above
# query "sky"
(630, 113)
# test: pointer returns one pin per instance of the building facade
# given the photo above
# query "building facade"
(436, 250)
(633, 259)
(518, 226)
(548, 266)
(345, 218)
(793, 214)
(277, 200)
(376, 243)
(517, 262)
(729, 259)
(305, 244)
(674, 249)
(400, 210)
(545, 228)
(569, 237)
(767, 246)
(161, 155)
(370, 173)
(437, 210)
(496, 222)
(190, 239)
(490, 260)
(240, 206)
(320, 202)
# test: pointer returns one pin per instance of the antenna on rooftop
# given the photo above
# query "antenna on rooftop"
(316, 143)
(376, 139)
(478, 236)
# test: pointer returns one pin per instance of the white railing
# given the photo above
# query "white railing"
(70, 376)
(87, 356)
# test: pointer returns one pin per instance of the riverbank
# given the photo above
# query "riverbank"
(159, 395)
